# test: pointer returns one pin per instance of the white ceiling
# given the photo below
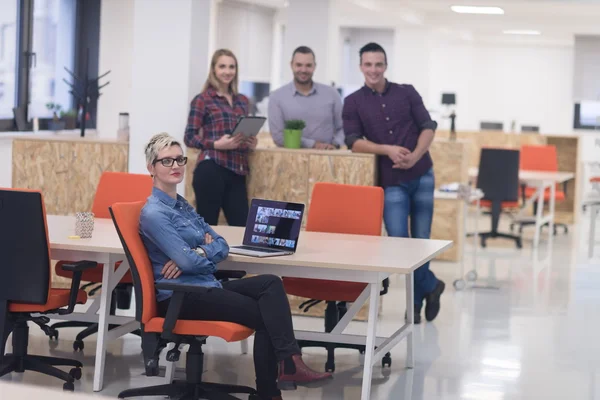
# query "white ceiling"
(558, 20)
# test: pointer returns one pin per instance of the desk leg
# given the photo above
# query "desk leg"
(539, 214)
(552, 209)
(371, 337)
(105, 297)
(410, 314)
(592, 240)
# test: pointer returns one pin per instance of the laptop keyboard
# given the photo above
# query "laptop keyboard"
(264, 250)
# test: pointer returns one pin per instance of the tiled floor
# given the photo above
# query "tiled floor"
(525, 330)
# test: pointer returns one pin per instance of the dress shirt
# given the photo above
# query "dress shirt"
(321, 110)
(395, 117)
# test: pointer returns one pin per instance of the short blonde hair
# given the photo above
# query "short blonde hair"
(212, 80)
(157, 143)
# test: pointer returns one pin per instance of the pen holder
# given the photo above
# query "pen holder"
(84, 224)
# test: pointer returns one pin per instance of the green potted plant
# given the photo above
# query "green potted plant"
(70, 118)
(55, 124)
(292, 133)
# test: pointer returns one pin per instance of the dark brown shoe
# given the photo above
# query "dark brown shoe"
(303, 374)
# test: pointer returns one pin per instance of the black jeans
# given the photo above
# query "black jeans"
(217, 187)
(259, 303)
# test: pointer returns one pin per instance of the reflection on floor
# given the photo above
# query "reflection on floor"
(525, 330)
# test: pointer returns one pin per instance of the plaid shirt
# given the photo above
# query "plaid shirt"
(213, 115)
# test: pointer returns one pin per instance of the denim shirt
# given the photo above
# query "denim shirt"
(171, 230)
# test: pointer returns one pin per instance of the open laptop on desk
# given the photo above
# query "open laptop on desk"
(272, 229)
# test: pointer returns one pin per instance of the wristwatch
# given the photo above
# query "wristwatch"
(199, 251)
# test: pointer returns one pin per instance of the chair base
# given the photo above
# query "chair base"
(90, 327)
(193, 387)
(20, 361)
(527, 223)
(334, 312)
(386, 361)
(190, 391)
(493, 235)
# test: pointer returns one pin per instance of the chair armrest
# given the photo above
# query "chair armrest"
(523, 198)
(79, 266)
(225, 275)
(385, 284)
(77, 269)
(179, 291)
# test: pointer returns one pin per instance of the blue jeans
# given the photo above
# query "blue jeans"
(412, 199)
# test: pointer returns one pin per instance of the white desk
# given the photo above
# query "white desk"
(352, 258)
(103, 247)
(541, 181)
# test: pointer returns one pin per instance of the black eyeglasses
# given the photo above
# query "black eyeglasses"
(168, 161)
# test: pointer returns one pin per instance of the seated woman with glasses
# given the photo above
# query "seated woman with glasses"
(185, 249)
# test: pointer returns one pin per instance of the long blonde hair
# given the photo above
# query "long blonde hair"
(212, 80)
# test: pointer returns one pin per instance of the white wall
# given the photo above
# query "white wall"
(355, 38)
(530, 85)
(247, 30)
(162, 70)
(587, 68)
(116, 55)
(308, 23)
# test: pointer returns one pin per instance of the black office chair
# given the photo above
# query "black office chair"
(498, 179)
(25, 286)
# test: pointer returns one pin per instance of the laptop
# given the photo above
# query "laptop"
(272, 229)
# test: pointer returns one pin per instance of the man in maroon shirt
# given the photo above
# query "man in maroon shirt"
(391, 121)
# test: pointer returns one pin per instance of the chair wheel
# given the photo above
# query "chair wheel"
(75, 373)
(386, 361)
(69, 387)
(460, 284)
(329, 366)
(519, 244)
(53, 334)
(472, 276)
(483, 243)
(78, 345)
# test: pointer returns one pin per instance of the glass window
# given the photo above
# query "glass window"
(8, 57)
(54, 48)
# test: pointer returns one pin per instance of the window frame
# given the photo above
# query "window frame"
(86, 36)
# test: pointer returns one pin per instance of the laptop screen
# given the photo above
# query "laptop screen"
(274, 224)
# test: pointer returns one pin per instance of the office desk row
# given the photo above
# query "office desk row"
(353, 258)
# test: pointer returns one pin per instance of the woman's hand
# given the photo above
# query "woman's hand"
(208, 239)
(251, 142)
(171, 270)
(228, 142)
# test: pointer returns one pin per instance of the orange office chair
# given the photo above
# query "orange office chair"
(157, 332)
(540, 158)
(25, 288)
(113, 187)
(336, 208)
